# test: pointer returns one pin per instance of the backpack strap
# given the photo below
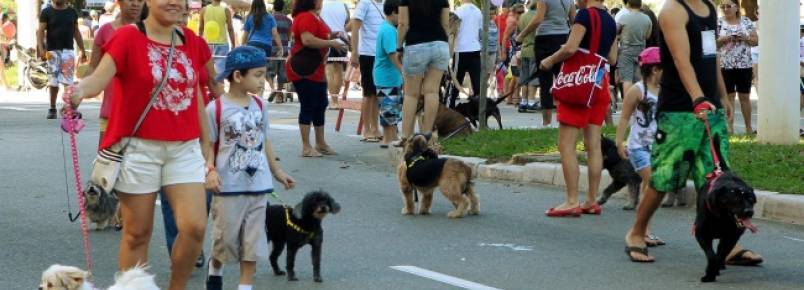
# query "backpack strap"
(218, 104)
(258, 101)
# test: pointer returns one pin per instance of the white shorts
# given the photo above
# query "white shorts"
(60, 67)
(148, 165)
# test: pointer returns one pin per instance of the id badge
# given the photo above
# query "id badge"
(708, 43)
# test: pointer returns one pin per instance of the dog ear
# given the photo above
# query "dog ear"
(298, 210)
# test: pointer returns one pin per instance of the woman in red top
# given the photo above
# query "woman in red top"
(166, 151)
(310, 31)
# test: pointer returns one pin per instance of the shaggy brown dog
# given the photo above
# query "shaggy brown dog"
(449, 123)
(423, 171)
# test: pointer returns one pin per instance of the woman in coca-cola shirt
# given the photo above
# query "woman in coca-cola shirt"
(166, 151)
(574, 119)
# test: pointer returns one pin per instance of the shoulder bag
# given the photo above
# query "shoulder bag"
(582, 74)
(106, 167)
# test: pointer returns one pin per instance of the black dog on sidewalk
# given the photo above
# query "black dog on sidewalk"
(622, 173)
(297, 227)
(725, 209)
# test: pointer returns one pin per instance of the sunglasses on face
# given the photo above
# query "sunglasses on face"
(726, 6)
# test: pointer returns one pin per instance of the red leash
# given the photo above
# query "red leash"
(72, 123)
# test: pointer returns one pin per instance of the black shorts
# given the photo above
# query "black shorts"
(546, 45)
(738, 80)
(367, 75)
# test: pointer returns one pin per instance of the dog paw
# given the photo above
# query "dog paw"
(707, 279)
(602, 201)
(455, 214)
(279, 273)
(292, 278)
(629, 207)
(318, 279)
(424, 212)
(474, 212)
(406, 211)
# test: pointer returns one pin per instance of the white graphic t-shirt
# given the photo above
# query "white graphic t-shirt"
(241, 162)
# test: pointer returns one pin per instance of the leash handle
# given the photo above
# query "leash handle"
(69, 113)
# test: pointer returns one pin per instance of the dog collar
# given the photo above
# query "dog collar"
(295, 227)
(414, 160)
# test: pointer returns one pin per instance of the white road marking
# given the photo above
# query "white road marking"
(794, 239)
(285, 127)
(18, 109)
(510, 246)
(454, 281)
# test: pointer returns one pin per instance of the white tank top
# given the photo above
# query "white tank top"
(643, 124)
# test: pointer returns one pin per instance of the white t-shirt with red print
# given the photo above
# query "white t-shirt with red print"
(140, 64)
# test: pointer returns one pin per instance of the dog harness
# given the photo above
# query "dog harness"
(424, 171)
(296, 227)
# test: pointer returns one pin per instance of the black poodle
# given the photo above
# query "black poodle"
(299, 226)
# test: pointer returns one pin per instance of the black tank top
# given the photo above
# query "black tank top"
(674, 97)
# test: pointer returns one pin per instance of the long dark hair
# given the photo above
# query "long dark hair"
(300, 6)
(258, 10)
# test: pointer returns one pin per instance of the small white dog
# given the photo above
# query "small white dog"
(58, 277)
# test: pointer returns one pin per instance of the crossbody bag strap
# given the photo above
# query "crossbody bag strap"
(566, 13)
(155, 92)
(378, 9)
(594, 22)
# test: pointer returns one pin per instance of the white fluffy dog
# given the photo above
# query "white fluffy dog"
(59, 277)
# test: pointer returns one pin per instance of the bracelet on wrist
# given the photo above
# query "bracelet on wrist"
(699, 100)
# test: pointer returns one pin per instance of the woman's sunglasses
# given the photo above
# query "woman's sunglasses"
(726, 6)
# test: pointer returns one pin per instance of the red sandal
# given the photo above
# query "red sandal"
(594, 209)
(570, 212)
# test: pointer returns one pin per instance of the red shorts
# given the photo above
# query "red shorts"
(581, 116)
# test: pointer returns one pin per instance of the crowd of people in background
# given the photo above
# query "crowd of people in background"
(401, 49)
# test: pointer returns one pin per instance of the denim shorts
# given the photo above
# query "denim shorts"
(421, 56)
(639, 157)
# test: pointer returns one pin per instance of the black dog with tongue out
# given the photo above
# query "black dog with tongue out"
(725, 207)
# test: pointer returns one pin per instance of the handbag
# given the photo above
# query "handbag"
(306, 61)
(582, 74)
(106, 166)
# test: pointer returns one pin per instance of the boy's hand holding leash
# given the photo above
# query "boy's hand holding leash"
(284, 179)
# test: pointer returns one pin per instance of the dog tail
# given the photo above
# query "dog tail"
(469, 183)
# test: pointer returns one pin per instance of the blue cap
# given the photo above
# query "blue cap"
(243, 57)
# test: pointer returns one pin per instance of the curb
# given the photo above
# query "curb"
(786, 208)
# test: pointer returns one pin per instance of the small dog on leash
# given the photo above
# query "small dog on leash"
(58, 277)
(423, 171)
(623, 173)
(448, 122)
(102, 208)
(297, 227)
(725, 208)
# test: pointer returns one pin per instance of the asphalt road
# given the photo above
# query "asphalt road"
(511, 245)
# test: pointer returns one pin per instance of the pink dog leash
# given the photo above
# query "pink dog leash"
(72, 123)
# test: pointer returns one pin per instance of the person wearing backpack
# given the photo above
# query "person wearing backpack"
(244, 164)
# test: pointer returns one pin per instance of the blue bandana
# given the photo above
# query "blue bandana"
(243, 57)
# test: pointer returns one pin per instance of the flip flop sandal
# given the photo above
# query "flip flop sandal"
(653, 241)
(639, 250)
(740, 260)
(326, 151)
(311, 153)
(371, 139)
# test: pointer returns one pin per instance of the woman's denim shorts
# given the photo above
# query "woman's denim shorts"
(639, 157)
(421, 56)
